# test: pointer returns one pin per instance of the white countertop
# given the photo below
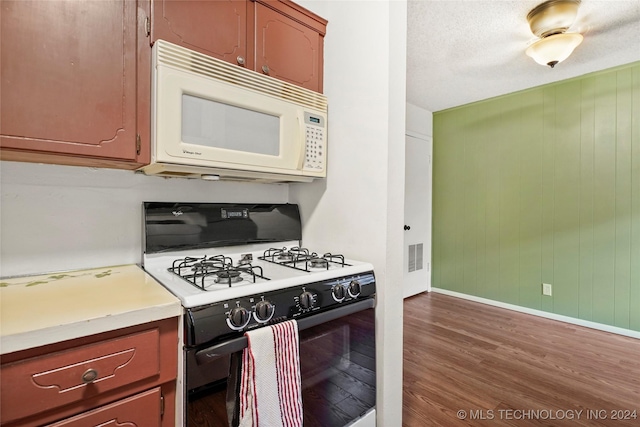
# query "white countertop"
(49, 308)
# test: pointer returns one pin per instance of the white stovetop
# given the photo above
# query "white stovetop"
(281, 277)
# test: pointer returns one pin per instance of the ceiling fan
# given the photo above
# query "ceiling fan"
(550, 21)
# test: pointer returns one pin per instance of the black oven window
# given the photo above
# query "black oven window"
(338, 370)
(337, 361)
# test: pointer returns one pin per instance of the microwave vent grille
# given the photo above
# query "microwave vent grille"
(188, 60)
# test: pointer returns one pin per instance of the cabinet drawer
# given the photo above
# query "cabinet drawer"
(140, 410)
(40, 383)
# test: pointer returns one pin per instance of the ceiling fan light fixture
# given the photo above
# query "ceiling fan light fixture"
(553, 17)
(554, 49)
(550, 21)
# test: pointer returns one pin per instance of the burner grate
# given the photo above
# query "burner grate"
(302, 259)
(218, 268)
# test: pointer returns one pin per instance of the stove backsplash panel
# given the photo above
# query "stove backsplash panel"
(184, 226)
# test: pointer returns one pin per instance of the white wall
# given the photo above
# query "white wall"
(419, 121)
(55, 218)
(360, 206)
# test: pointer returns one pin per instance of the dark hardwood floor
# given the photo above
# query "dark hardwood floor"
(504, 368)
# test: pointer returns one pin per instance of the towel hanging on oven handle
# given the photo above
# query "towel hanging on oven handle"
(238, 344)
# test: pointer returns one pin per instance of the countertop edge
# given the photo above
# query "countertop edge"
(64, 332)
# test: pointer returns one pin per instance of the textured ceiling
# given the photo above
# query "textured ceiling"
(461, 51)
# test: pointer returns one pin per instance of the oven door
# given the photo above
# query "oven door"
(337, 364)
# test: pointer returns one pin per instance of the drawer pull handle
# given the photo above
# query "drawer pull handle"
(89, 376)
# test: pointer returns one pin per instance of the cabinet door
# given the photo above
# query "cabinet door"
(141, 410)
(68, 78)
(216, 28)
(61, 378)
(288, 47)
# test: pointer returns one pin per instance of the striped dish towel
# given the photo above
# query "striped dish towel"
(270, 391)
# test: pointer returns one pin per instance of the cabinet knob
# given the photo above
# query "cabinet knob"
(89, 376)
(406, 227)
(240, 60)
(265, 69)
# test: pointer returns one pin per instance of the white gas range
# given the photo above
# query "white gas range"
(237, 267)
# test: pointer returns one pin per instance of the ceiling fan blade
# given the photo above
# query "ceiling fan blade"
(618, 16)
(620, 25)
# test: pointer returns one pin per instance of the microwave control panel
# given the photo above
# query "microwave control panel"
(315, 142)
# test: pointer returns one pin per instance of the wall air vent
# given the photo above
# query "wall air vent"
(415, 261)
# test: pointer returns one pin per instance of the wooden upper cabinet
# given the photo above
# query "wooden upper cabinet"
(69, 82)
(75, 75)
(289, 43)
(284, 38)
(216, 28)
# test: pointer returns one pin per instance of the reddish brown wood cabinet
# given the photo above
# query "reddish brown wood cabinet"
(75, 75)
(141, 410)
(74, 82)
(289, 43)
(215, 28)
(125, 376)
(274, 37)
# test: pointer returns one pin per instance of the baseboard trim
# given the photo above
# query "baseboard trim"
(540, 313)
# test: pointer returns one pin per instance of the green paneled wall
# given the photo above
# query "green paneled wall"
(543, 186)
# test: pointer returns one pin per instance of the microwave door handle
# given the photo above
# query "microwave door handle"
(303, 147)
(237, 344)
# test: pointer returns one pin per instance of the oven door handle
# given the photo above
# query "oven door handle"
(237, 344)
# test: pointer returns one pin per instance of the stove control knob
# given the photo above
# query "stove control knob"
(239, 318)
(339, 293)
(306, 300)
(264, 311)
(354, 289)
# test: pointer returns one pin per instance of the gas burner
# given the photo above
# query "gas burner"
(319, 263)
(199, 264)
(207, 266)
(285, 256)
(206, 271)
(302, 259)
(227, 276)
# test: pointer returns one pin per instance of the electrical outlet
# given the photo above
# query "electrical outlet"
(547, 289)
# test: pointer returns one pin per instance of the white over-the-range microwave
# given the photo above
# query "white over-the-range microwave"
(215, 120)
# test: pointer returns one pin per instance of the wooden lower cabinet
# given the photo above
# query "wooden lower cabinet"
(124, 377)
(141, 410)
